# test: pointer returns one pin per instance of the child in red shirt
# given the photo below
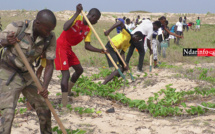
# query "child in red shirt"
(75, 30)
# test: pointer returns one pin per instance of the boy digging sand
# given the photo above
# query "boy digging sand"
(121, 41)
(74, 31)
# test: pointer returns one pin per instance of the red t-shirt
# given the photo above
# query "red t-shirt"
(75, 34)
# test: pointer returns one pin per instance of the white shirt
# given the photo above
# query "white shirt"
(160, 31)
(145, 27)
(179, 26)
(130, 26)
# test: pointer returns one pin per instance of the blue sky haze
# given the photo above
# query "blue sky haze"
(166, 6)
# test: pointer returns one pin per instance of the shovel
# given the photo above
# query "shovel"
(150, 58)
(39, 86)
(150, 68)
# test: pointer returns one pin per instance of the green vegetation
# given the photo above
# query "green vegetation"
(172, 103)
(22, 110)
(103, 73)
(22, 100)
(77, 131)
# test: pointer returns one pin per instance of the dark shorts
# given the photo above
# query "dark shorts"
(114, 55)
(179, 33)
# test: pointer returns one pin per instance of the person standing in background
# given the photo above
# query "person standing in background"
(185, 23)
(119, 29)
(198, 24)
(138, 20)
(130, 26)
(179, 27)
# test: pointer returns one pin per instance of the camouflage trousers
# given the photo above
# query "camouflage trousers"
(9, 96)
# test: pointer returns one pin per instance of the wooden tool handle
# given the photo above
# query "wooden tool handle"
(151, 60)
(116, 50)
(39, 86)
(125, 65)
(94, 31)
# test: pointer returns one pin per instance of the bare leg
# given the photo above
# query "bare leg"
(64, 86)
(111, 76)
(78, 71)
(64, 81)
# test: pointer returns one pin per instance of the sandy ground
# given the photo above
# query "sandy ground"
(125, 120)
(172, 17)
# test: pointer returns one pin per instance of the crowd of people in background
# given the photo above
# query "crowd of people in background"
(177, 28)
(155, 36)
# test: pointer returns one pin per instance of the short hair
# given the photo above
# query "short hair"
(46, 16)
(127, 20)
(124, 18)
(139, 34)
(157, 23)
(162, 17)
(94, 11)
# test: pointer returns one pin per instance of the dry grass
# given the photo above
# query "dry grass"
(202, 39)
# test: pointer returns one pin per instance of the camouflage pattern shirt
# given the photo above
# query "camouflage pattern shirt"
(32, 49)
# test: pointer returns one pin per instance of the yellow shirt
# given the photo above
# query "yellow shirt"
(122, 40)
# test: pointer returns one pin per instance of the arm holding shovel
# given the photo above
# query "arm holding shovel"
(118, 23)
(94, 18)
(47, 77)
(93, 21)
(126, 67)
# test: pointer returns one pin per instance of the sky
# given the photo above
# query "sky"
(164, 6)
